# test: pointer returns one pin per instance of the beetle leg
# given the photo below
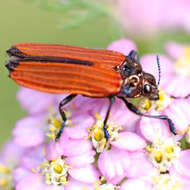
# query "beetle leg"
(63, 103)
(111, 101)
(132, 108)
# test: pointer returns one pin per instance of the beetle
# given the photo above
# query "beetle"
(73, 70)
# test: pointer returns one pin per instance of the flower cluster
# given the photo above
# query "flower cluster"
(135, 16)
(141, 152)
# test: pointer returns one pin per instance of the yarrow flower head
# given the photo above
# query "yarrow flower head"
(165, 181)
(181, 55)
(164, 153)
(55, 171)
(97, 134)
(9, 159)
(54, 123)
(175, 109)
(180, 76)
(84, 158)
(140, 22)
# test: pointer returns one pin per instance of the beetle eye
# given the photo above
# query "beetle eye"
(147, 88)
(127, 69)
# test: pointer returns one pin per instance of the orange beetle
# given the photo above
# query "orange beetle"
(74, 70)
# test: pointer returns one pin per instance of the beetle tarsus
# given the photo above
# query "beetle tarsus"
(131, 107)
(111, 101)
(60, 131)
(172, 128)
(106, 134)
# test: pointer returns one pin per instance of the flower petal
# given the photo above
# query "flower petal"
(81, 160)
(53, 150)
(152, 128)
(129, 141)
(178, 86)
(174, 50)
(87, 174)
(149, 64)
(79, 127)
(140, 165)
(74, 184)
(113, 163)
(74, 147)
(11, 152)
(35, 102)
(19, 173)
(183, 180)
(123, 45)
(31, 182)
(32, 158)
(136, 184)
(183, 164)
(178, 112)
(28, 132)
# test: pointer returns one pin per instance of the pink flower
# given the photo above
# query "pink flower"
(182, 166)
(146, 18)
(180, 55)
(84, 158)
(177, 111)
(163, 166)
(73, 137)
(114, 160)
(9, 158)
(29, 132)
(165, 106)
(61, 163)
(35, 102)
(136, 184)
(123, 45)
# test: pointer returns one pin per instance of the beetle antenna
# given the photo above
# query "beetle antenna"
(159, 69)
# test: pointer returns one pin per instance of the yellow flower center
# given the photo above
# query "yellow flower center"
(54, 122)
(158, 157)
(163, 153)
(144, 104)
(166, 182)
(103, 185)
(58, 168)
(3, 183)
(6, 178)
(169, 149)
(4, 169)
(55, 171)
(96, 133)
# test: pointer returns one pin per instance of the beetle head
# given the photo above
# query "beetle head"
(137, 83)
(149, 88)
(136, 86)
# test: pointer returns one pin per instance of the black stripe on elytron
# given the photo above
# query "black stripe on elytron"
(55, 60)
(16, 53)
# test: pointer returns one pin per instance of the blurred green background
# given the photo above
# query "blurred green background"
(29, 21)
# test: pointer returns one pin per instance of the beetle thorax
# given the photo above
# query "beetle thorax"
(131, 87)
